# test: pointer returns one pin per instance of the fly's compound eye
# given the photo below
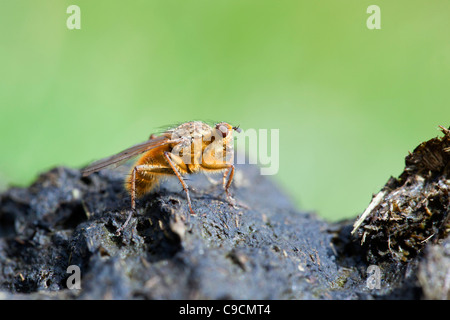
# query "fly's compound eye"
(222, 129)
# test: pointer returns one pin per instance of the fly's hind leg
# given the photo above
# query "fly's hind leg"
(136, 169)
(133, 197)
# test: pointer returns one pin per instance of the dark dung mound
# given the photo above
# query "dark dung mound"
(264, 249)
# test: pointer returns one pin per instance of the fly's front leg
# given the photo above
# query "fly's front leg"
(224, 179)
(229, 172)
(227, 185)
(230, 199)
(230, 179)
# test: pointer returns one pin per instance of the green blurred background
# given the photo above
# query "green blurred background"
(349, 102)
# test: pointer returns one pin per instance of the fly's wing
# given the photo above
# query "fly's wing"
(118, 159)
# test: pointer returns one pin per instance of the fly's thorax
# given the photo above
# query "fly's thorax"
(198, 142)
(193, 129)
(190, 136)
